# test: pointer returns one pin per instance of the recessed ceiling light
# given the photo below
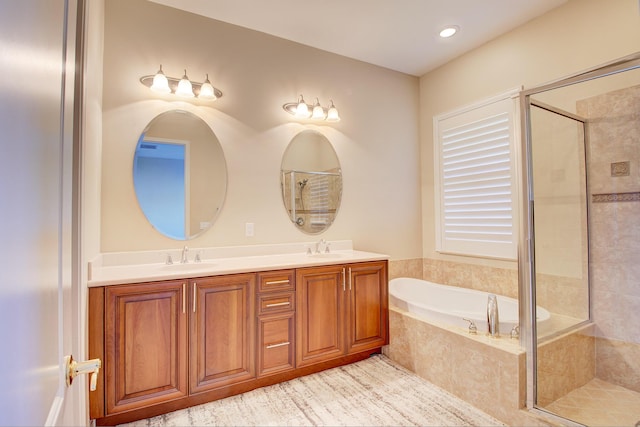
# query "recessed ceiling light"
(448, 31)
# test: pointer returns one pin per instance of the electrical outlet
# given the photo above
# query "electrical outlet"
(248, 229)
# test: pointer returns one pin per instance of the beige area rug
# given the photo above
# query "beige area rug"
(373, 392)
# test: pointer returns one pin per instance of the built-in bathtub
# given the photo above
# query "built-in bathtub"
(425, 337)
(452, 305)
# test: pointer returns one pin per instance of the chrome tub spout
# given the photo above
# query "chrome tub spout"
(493, 321)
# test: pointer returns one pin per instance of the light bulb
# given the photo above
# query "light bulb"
(332, 114)
(318, 111)
(160, 82)
(302, 110)
(448, 31)
(207, 91)
(184, 87)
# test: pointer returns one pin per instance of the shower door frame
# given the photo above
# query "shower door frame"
(526, 249)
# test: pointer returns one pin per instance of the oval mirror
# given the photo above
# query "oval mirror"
(311, 182)
(179, 174)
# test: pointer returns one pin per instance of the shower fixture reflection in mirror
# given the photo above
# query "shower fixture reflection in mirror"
(311, 181)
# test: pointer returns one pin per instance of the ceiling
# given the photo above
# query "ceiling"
(401, 35)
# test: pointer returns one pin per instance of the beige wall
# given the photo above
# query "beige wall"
(376, 141)
(574, 37)
(387, 204)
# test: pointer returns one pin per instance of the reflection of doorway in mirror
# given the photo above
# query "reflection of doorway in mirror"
(162, 186)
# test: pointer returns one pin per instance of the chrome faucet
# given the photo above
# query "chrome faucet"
(493, 320)
(473, 329)
(183, 258)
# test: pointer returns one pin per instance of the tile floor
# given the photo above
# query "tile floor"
(599, 403)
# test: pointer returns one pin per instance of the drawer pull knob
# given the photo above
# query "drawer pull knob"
(277, 304)
(278, 345)
(276, 282)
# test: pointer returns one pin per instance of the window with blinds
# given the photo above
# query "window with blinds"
(476, 195)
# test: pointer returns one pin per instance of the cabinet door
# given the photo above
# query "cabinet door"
(145, 344)
(320, 294)
(367, 310)
(222, 331)
(275, 343)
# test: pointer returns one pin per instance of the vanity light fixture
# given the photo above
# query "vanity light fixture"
(181, 87)
(302, 110)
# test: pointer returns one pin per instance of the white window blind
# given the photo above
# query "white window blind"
(476, 194)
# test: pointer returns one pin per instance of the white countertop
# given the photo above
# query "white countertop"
(137, 267)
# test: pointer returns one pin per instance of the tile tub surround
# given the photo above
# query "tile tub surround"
(501, 281)
(559, 295)
(405, 268)
(488, 373)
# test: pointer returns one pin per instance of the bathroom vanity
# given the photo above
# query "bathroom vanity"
(170, 338)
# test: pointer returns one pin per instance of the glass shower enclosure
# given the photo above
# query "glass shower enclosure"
(580, 258)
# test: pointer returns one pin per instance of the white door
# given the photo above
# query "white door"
(39, 292)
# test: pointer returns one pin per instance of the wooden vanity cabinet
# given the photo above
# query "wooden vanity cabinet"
(172, 344)
(222, 330)
(276, 322)
(163, 341)
(145, 354)
(342, 309)
(320, 294)
(367, 309)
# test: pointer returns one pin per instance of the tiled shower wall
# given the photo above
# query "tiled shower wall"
(614, 181)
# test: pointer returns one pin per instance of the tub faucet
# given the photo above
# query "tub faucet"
(184, 259)
(515, 332)
(493, 321)
(473, 329)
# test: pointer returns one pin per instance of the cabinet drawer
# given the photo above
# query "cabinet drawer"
(276, 303)
(282, 280)
(275, 344)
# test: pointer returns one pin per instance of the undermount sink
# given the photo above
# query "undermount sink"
(326, 255)
(190, 266)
